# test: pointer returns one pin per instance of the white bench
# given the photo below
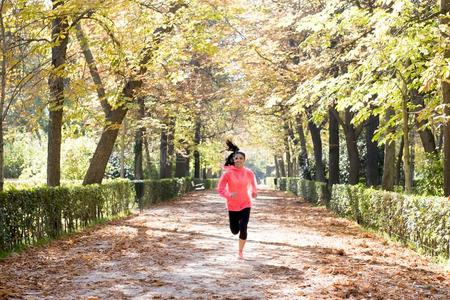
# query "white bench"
(197, 186)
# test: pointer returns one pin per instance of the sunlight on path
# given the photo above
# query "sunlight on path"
(184, 250)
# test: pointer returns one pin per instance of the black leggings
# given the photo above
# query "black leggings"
(239, 221)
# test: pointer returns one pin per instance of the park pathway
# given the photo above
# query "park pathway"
(183, 250)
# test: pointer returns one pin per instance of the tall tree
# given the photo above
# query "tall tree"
(388, 178)
(4, 47)
(351, 137)
(372, 158)
(318, 151)
(115, 116)
(445, 86)
(333, 144)
(138, 142)
(303, 161)
(60, 39)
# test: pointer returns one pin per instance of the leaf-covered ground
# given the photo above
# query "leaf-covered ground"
(183, 250)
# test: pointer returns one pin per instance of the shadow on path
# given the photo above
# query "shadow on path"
(183, 250)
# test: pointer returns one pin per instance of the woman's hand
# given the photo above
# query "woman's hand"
(233, 195)
(254, 195)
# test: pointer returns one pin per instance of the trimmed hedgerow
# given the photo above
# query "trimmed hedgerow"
(210, 183)
(422, 221)
(312, 191)
(155, 191)
(29, 215)
(33, 214)
(271, 182)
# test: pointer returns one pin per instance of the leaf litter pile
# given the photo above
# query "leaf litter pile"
(183, 249)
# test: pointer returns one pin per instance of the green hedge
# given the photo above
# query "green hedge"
(422, 221)
(33, 214)
(312, 191)
(155, 191)
(29, 215)
(210, 183)
(271, 182)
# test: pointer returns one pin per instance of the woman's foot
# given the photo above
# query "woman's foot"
(241, 255)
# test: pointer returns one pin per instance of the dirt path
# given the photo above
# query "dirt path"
(184, 250)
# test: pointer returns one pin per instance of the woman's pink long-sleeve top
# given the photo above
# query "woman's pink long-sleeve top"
(240, 181)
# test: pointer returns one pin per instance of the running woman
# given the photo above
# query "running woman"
(238, 186)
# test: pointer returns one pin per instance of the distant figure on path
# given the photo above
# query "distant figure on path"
(238, 186)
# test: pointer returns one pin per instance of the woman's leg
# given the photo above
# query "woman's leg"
(234, 221)
(245, 216)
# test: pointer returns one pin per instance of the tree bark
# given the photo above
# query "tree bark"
(426, 135)
(93, 70)
(317, 145)
(405, 129)
(445, 87)
(412, 154)
(4, 66)
(163, 157)
(333, 150)
(398, 167)
(372, 159)
(148, 159)
(138, 142)
(303, 160)
(115, 117)
(282, 166)
(293, 146)
(122, 149)
(170, 146)
(181, 169)
(60, 39)
(277, 167)
(352, 148)
(388, 178)
(197, 139)
(97, 167)
(287, 148)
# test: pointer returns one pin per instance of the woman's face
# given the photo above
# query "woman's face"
(239, 160)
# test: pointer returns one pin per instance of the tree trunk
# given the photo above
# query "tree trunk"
(115, 116)
(389, 159)
(180, 165)
(138, 142)
(277, 167)
(282, 166)
(426, 135)
(60, 39)
(148, 159)
(333, 150)
(413, 154)
(405, 129)
(445, 87)
(317, 145)
(287, 148)
(122, 149)
(170, 146)
(293, 146)
(352, 148)
(4, 46)
(398, 168)
(303, 160)
(163, 157)
(372, 159)
(105, 146)
(197, 139)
